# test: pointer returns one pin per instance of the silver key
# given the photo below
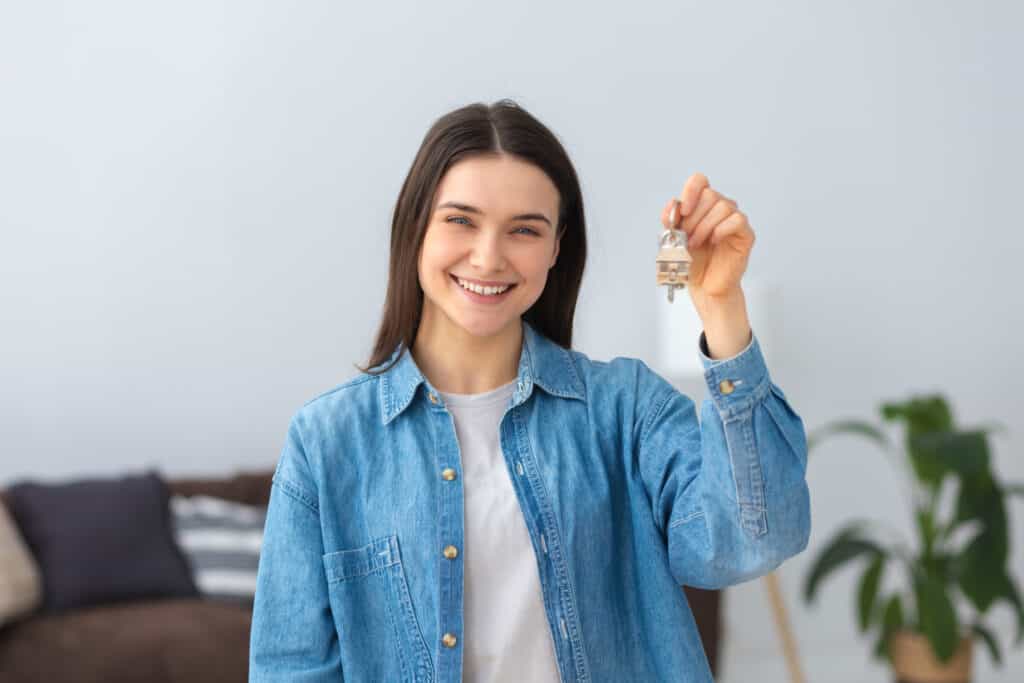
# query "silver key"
(673, 260)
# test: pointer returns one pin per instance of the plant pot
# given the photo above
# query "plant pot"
(913, 660)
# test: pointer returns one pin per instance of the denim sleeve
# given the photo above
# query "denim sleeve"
(293, 636)
(729, 492)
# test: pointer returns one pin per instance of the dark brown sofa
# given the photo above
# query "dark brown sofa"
(181, 640)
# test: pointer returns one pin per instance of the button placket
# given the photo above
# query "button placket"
(551, 584)
(451, 501)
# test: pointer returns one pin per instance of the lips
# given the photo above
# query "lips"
(481, 284)
(482, 298)
(510, 285)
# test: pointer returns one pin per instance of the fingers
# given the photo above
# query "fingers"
(716, 213)
(670, 219)
(703, 205)
(692, 190)
(736, 224)
(699, 210)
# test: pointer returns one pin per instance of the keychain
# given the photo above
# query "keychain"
(673, 261)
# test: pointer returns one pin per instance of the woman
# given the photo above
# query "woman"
(482, 502)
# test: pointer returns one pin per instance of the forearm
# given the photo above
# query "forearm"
(726, 324)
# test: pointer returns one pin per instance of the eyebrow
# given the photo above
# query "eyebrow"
(472, 209)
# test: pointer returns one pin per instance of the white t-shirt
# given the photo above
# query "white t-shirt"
(507, 638)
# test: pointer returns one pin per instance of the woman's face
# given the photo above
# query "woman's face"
(502, 234)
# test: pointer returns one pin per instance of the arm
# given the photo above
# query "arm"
(729, 492)
(293, 636)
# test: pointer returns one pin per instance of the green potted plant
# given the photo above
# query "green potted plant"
(958, 569)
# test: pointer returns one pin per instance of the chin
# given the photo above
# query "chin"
(485, 328)
(483, 325)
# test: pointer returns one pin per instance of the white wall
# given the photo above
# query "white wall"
(195, 196)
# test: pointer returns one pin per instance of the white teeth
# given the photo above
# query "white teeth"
(487, 291)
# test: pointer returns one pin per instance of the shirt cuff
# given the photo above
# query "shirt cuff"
(732, 382)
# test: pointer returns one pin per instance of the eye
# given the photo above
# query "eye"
(451, 219)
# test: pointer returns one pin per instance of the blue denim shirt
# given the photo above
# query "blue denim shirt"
(626, 496)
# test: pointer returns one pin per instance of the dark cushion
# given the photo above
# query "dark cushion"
(101, 540)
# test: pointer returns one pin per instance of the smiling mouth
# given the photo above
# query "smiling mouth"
(455, 279)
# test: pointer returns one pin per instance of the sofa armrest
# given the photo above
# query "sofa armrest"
(251, 488)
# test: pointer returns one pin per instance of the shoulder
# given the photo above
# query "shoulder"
(346, 411)
(357, 396)
(354, 387)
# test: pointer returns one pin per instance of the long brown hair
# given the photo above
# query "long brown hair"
(474, 130)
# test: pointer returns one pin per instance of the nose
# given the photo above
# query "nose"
(487, 253)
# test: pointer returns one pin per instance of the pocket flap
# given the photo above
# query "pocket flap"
(354, 562)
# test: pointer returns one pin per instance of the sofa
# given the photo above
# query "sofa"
(180, 639)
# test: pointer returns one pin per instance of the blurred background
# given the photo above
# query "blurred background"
(195, 204)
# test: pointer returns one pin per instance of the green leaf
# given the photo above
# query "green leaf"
(926, 527)
(981, 565)
(892, 617)
(892, 621)
(935, 454)
(936, 616)
(854, 427)
(867, 591)
(990, 641)
(921, 414)
(974, 499)
(846, 545)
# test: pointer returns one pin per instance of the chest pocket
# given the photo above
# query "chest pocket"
(379, 636)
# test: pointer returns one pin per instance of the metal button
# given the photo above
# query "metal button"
(448, 473)
(725, 386)
(448, 639)
(433, 398)
(450, 552)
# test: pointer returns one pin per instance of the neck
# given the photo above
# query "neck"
(457, 362)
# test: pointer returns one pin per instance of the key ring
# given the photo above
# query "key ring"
(675, 235)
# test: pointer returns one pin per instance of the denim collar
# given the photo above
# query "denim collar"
(542, 362)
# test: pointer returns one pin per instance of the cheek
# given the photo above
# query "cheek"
(437, 252)
(539, 262)
(429, 258)
(429, 265)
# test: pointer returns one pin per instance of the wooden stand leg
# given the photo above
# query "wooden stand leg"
(771, 582)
